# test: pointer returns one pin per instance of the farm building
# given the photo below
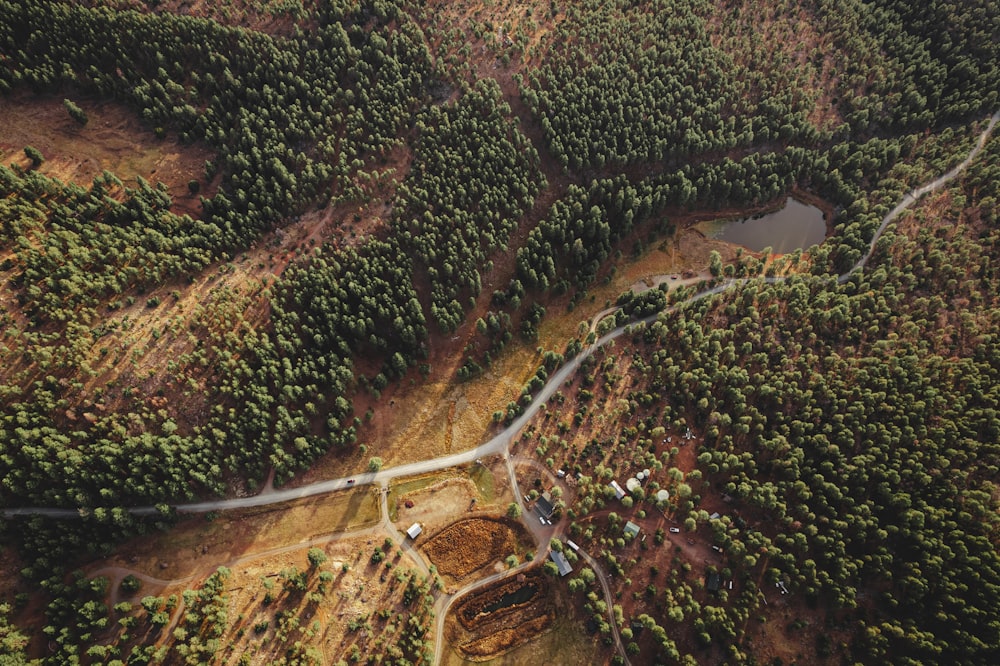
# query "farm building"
(561, 562)
(544, 505)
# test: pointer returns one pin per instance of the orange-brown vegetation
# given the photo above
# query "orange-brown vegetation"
(503, 616)
(466, 546)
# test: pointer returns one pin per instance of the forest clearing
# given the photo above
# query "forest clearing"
(281, 281)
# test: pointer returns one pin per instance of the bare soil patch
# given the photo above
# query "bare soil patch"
(501, 617)
(265, 615)
(468, 546)
(113, 139)
(438, 504)
(197, 546)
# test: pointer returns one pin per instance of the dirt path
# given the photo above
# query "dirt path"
(609, 600)
(498, 445)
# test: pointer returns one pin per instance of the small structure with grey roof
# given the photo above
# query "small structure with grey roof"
(565, 568)
(414, 531)
(619, 491)
(631, 530)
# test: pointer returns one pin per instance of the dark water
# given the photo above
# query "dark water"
(518, 596)
(795, 226)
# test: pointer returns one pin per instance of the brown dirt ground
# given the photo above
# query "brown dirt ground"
(113, 139)
(468, 546)
(136, 354)
(360, 591)
(565, 643)
(353, 593)
(197, 545)
(437, 504)
(480, 635)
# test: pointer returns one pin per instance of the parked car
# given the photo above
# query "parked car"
(675, 530)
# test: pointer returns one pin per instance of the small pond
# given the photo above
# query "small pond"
(795, 226)
(518, 596)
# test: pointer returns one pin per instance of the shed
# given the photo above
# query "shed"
(561, 562)
(713, 582)
(631, 529)
(619, 491)
(414, 530)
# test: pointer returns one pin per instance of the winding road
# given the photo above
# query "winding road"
(499, 444)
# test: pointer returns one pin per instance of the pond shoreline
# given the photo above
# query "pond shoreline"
(785, 226)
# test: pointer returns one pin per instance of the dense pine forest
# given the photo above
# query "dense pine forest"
(489, 164)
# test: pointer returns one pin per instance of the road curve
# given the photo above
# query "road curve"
(498, 444)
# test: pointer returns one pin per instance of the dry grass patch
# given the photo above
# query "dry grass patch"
(200, 544)
(502, 616)
(564, 643)
(113, 139)
(356, 609)
(506, 639)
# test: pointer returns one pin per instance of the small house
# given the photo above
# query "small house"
(544, 505)
(631, 530)
(414, 530)
(561, 562)
(619, 491)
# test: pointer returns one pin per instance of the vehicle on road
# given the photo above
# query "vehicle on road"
(350, 482)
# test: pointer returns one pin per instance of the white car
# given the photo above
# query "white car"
(675, 530)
